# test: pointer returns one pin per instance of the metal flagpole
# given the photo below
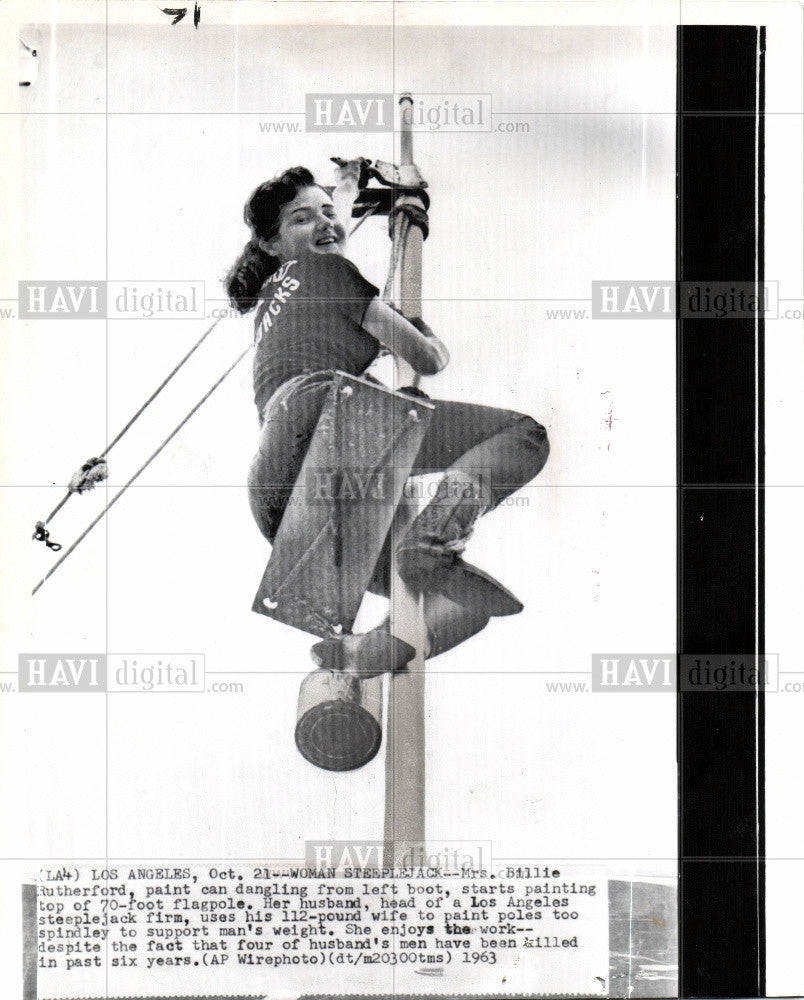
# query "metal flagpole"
(405, 730)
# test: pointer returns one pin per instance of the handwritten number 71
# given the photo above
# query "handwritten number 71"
(177, 13)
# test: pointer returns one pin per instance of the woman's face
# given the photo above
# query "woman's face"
(308, 224)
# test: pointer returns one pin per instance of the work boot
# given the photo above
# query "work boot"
(429, 556)
(365, 655)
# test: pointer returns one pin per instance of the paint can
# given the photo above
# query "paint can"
(339, 719)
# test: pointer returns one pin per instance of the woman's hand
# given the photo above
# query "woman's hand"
(349, 173)
(347, 188)
(438, 345)
(425, 330)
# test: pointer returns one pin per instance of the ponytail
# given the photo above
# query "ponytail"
(247, 276)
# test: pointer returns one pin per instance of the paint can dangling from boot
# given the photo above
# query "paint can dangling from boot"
(339, 719)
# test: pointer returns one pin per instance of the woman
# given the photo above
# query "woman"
(317, 314)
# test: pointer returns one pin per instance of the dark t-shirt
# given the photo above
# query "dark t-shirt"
(310, 320)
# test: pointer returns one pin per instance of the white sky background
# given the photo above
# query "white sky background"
(581, 196)
(587, 194)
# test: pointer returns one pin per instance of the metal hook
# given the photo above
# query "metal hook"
(41, 534)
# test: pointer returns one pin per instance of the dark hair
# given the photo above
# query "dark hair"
(261, 214)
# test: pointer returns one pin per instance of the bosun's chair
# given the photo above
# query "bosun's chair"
(333, 529)
(344, 502)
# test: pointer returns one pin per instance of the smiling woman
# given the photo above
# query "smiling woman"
(294, 223)
(310, 224)
(317, 314)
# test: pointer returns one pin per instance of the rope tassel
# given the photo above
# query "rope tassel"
(92, 472)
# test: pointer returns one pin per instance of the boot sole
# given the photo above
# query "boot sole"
(461, 582)
(365, 656)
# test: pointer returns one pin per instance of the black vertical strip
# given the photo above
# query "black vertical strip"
(720, 511)
(761, 518)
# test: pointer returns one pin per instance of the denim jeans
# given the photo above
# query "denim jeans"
(514, 447)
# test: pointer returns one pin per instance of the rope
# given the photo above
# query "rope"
(141, 469)
(401, 225)
(372, 209)
(79, 484)
(160, 387)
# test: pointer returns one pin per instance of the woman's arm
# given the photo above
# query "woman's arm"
(423, 351)
(416, 344)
